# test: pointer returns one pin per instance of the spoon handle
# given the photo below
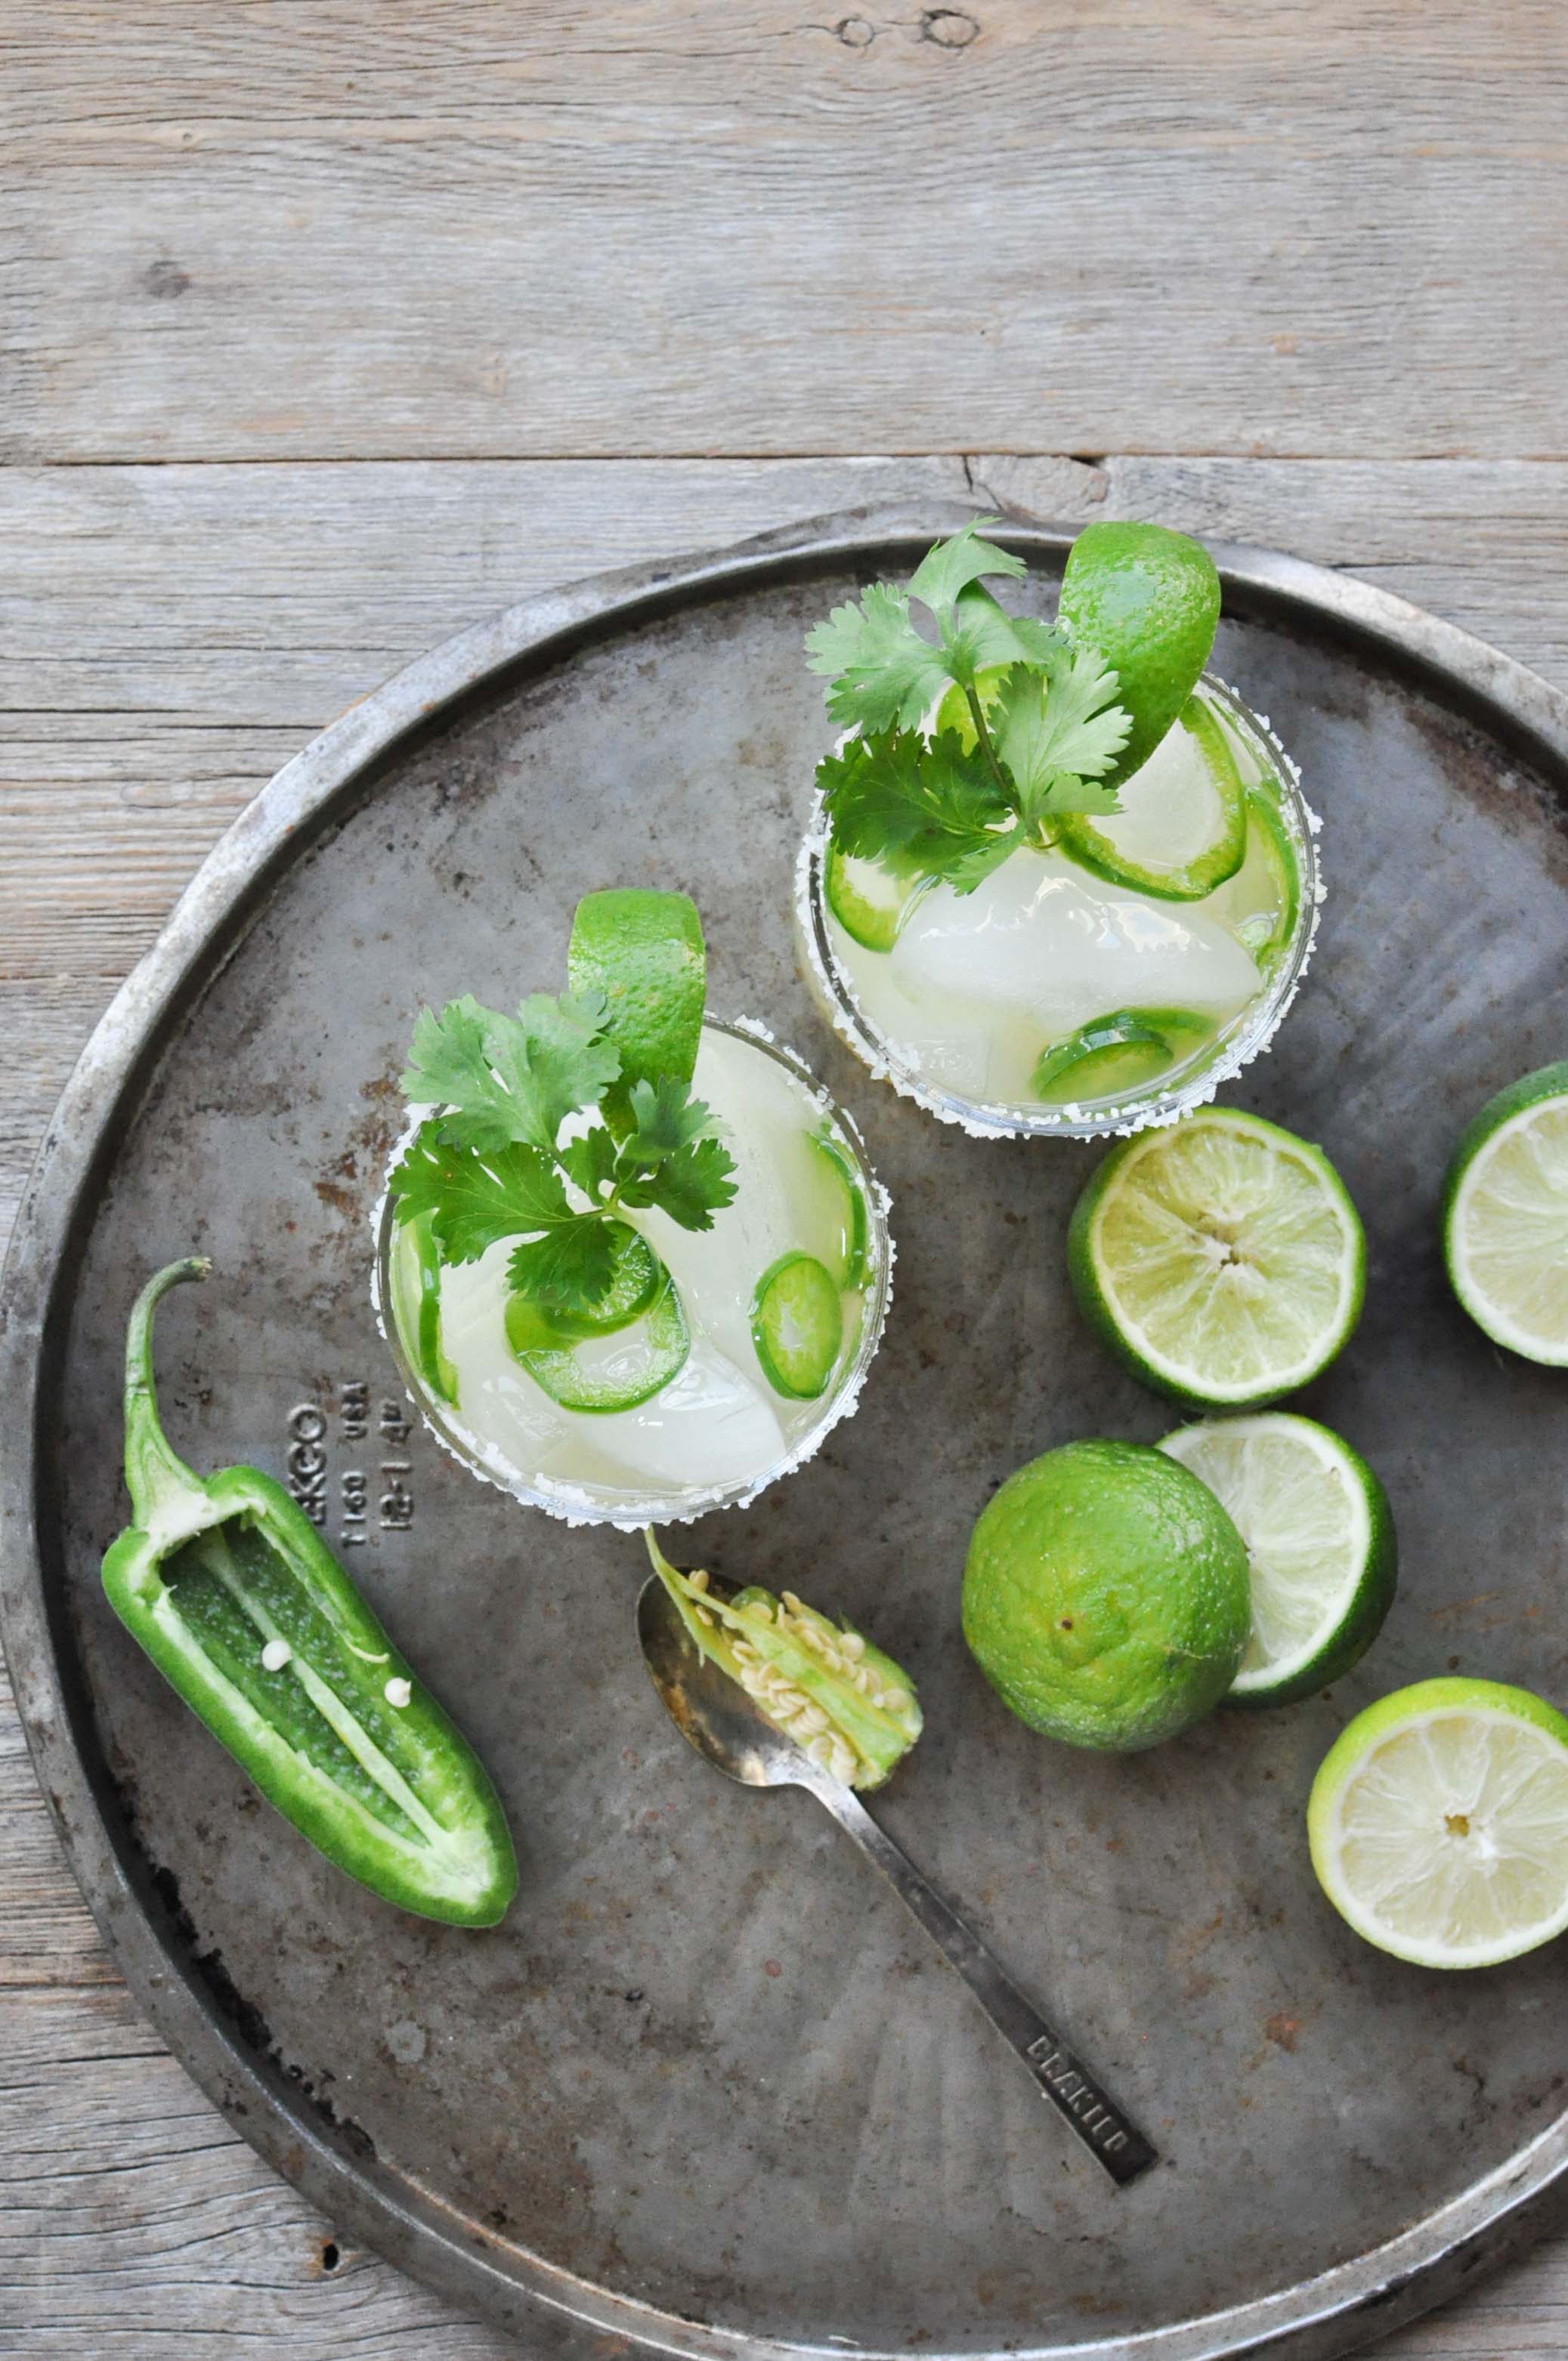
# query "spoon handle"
(1093, 2114)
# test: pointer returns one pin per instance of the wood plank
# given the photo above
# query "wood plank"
(133, 2223)
(1249, 228)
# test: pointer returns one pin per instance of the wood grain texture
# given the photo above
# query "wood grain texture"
(170, 634)
(349, 230)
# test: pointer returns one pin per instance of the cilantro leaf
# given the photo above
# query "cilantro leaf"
(978, 632)
(929, 806)
(488, 1166)
(1058, 734)
(449, 1065)
(950, 566)
(553, 1056)
(511, 1078)
(694, 1183)
(666, 1117)
(971, 869)
(672, 1160)
(883, 672)
(570, 1268)
(1093, 795)
(886, 673)
(475, 1198)
(590, 1161)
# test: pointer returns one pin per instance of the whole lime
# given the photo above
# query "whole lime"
(1106, 1597)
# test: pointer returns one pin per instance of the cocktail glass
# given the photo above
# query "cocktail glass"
(718, 1429)
(1059, 999)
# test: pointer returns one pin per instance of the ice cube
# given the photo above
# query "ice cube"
(709, 1427)
(1044, 941)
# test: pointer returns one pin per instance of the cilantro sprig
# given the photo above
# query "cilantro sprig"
(489, 1166)
(1045, 728)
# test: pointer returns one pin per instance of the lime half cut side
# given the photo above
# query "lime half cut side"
(1438, 1823)
(1505, 1217)
(1319, 1542)
(1221, 1260)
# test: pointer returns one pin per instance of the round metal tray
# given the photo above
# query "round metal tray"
(707, 2091)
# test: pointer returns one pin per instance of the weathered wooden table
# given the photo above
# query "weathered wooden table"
(331, 327)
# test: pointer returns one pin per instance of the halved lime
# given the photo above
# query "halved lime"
(1148, 600)
(416, 1307)
(637, 1276)
(869, 900)
(856, 1220)
(1121, 850)
(1438, 1823)
(604, 1373)
(1320, 1541)
(1121, 1052)
(1221, 1260)
(1106, 1595)
(644, 951)
(1505, 1217)
(797, 1326)
(1267, 931)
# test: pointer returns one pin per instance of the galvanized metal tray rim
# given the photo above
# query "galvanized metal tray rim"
(1330, 2312)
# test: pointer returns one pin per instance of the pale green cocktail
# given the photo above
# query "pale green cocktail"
(1071, 992)
(750, 1340)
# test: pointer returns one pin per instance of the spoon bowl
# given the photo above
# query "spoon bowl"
(713, 1712)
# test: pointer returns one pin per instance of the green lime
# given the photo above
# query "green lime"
(797, 1326)
(856, 1221)
(616, 1371)
(417, 1305)
(1147, 599)
(1111, 849)
(636, 1277)
(1505, 1217)
(1267, 931)
(870, 899)
(1438, 1823)
(1106, 1595)
(644, 951)
(1221, 1260)
(1118, 1053)
(1320, 1541)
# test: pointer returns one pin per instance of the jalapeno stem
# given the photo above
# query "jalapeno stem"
(157, 1476)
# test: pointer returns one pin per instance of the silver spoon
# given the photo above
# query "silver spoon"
(714, 1714)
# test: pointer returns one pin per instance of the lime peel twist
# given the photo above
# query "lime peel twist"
(848, 1708)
